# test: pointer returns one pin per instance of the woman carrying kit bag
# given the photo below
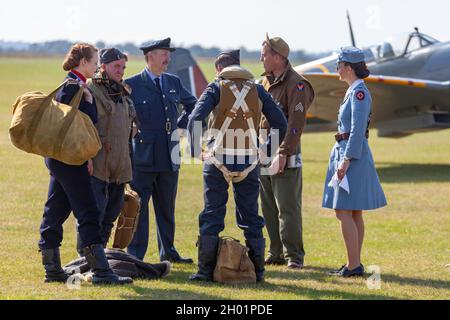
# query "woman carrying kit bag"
(70, 186)
(62, 130)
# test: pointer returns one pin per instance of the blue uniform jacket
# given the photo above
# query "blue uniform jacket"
(158, 119)
(354, 115)
(211, 98)
(69, 90)
(365, 188)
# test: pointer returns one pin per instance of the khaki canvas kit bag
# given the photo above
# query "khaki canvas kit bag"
(128, 220)
(45, 127)
(233, 264)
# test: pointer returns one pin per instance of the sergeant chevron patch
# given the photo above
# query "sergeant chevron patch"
(299, 107)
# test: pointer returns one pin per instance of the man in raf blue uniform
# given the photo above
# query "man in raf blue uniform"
(236, 104)
(156, 96)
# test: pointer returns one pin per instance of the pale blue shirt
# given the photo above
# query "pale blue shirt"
(153, 76)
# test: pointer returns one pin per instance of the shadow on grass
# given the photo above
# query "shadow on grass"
(411, 172)
(390, 172)
(196, 290)
(429, 283)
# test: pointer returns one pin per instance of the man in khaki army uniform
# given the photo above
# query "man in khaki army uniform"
(111, 168)
(281, 193)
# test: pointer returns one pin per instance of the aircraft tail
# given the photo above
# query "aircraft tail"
(186, 68)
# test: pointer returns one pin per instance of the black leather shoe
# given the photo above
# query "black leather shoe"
(346, 273)
(336, 272)
(295, 265)
(271, 260)
(180, 260)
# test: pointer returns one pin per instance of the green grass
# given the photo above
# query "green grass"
(408, 240)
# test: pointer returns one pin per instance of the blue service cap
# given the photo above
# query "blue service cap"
(351, 55)
(156, 44)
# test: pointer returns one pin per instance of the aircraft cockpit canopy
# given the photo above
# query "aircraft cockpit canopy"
(398, 46)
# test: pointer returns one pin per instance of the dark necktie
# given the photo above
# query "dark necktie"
(158, 85)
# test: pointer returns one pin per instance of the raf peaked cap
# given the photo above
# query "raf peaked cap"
(156, 44)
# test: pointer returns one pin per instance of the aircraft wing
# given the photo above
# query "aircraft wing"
(401, 106)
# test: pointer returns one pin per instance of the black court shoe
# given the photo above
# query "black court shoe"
(347, 273)
(336, 272)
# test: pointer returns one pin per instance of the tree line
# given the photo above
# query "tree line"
(60, 47)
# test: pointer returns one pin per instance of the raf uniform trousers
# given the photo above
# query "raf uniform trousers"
(110, 199)
(69, 190)
(162, 188)
(281, 202)
(246, 192)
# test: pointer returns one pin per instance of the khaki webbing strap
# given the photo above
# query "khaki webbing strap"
(240, 100)
(246, 109)
(231, 114)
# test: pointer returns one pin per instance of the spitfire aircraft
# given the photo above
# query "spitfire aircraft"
(410, 86)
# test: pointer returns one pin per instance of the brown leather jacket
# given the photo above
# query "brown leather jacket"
(294, 95)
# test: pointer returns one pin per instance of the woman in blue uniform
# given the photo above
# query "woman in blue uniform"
(352, 184)
(70, 186)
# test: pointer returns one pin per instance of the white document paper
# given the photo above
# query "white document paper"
(334, 183)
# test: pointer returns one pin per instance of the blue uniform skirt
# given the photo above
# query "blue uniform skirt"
(365, 188)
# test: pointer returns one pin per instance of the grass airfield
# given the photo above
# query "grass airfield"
(408, 240)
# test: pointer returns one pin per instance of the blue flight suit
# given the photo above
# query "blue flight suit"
(70, 190)
(365, 188)
(155, 171)
(246, 192)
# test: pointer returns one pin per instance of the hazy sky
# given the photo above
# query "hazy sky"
(317, 25)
